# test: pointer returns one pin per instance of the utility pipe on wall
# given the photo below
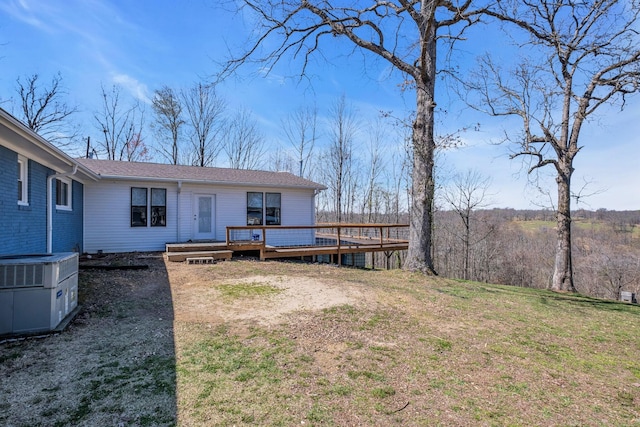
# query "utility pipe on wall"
(50, 206)
(178, 211)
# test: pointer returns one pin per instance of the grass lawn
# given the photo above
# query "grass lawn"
(358, 348)
(423, 351)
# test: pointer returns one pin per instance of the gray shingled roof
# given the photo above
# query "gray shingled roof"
(137, 170)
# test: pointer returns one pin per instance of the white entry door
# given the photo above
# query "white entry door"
(204, 224)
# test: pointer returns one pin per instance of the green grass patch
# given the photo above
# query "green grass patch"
(382, 392)
(319, 414)
(341, 310)
(247, 290)
(233, 376)
(374, 376)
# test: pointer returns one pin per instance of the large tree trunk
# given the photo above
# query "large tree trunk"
(563, 270)
(421, 215)
(423, 187)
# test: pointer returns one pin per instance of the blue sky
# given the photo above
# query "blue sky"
(142, 45)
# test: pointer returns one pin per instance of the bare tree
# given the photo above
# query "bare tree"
(205, 118)
(398, 177)
(44, 111)
(281, 161)
(244, 144)
(169, 121)
(121, 126)
(300, 129)
(467, 193)
(371, 202)
(579, 56)
(339, 157)
(403, 33)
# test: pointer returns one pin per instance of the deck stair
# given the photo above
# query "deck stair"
(197, 252)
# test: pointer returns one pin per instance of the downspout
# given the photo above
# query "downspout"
(178, 212)
(316, 191)
(50, 179)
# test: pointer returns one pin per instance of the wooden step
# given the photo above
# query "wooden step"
(194, 247)
(182, 256)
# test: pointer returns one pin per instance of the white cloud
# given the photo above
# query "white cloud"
(271, 77)
(137, 89)
(22, 11)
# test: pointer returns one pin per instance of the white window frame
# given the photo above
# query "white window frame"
(68, 183)
(23, 172)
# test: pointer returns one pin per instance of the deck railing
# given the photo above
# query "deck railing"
(300, 240)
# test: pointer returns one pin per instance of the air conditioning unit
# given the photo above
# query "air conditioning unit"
(37, 292)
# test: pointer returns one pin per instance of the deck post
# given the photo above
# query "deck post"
(339, 257)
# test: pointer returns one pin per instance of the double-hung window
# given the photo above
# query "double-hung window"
(63, 193)
(263, 208)
(138, 207)
(273, 208)
(254, 208)
(158, 207)
(148, 207)
(23, 180)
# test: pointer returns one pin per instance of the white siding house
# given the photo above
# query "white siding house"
(143, 206)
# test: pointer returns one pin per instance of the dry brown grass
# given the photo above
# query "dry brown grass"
(270, 343)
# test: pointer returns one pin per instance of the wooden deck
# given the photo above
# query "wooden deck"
(328, 239)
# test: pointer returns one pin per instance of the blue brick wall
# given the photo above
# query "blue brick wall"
(67, 225)
(23, 229)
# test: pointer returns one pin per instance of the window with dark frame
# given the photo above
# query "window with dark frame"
(273, 202)
(254, 208)
(158, 207)
(138, 207)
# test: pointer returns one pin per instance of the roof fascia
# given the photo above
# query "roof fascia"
(201, 181)
(43, 151)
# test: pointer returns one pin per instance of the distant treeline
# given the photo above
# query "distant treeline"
(516, 247)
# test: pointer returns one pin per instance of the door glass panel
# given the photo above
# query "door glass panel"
(204, 214)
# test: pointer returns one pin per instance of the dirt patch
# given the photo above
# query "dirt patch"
(200, 300)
